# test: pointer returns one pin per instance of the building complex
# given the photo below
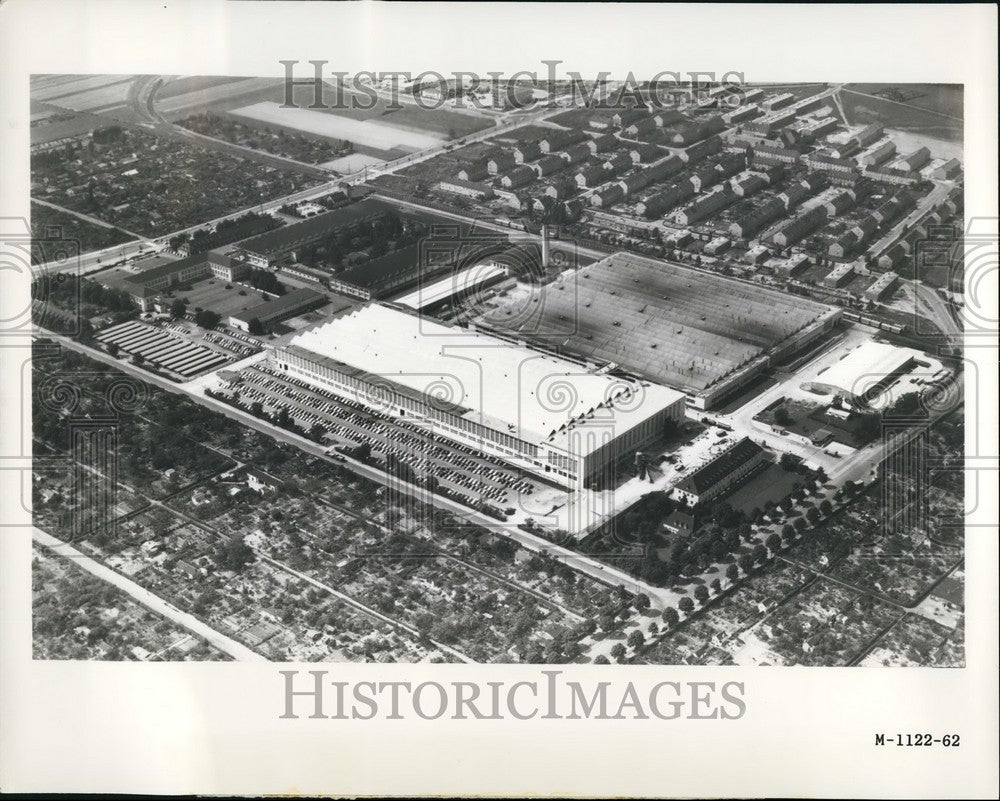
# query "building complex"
(548, 415)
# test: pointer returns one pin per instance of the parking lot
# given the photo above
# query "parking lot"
(349, 423)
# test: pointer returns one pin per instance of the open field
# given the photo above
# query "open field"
(263, 138)
(908, 141)
(448, 122)
(80, 92)
(351, 163)
(368, 132)
(62, 124)
(943, 98)
(180, 98)
(177, 87)
(218, 96)
(111, 95)
(862, 109)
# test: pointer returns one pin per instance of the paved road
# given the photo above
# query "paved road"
(924, 206)
(87, 218)
(937, 310)
(225, 644)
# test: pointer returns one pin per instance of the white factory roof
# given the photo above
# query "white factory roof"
(508, 387)
(865, 366)
(464, 283)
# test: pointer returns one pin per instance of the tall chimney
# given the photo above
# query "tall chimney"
(545, 247)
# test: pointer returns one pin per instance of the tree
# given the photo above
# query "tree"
(670, 616)
(234, 554)
(112, 348)
(636, 639)
(826, 507)
(686, 605)
(787, 461)
(759, 554)
(868, 427)
(641, 602)
(178, 309)
(781, 416)
(317, 432)
(601, 659)
(732, 572)
(207, 318)
(904, 406)
(717, 586)
(812, 514)
(608, 623)
(788, 532)
(701, 593)
(618, 652)
(773, 542)
(746, 563)
(800, 524)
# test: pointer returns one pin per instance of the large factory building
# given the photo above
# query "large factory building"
(550, 416)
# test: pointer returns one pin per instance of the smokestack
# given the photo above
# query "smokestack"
(545, 247)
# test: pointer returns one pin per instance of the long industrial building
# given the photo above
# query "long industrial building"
(550, 416)
(697, 332)
(865, 372)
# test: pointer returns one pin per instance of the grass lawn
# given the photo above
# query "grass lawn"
(773, 484)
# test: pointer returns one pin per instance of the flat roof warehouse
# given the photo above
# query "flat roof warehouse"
(688, 329)
(505, 386)
(275, 307)
(867, 368)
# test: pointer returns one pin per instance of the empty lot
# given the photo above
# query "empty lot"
(371, 133)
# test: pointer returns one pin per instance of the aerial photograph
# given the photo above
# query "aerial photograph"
(535, 372)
